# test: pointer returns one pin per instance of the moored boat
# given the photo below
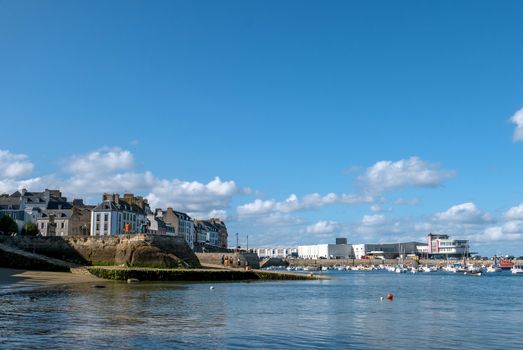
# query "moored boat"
(505, 264)
(473, 273)
(493, 268)
(517, 269)
(311, 268)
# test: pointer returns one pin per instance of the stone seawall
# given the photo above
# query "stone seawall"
(130, 250)
(250, 259)
(376, 262)
(12, 257)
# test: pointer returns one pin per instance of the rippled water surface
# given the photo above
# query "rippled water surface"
(436, 311)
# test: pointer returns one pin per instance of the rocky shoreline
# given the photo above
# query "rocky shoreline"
(136, 257)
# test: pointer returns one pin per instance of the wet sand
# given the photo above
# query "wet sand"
(12, 279)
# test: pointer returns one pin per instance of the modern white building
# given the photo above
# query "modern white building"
(325, 251)
(385, 250)
(276, 252)
(359, 250)
(442, 245)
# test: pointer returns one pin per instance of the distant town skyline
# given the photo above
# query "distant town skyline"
(295, 123)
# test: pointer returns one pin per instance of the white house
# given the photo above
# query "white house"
(116, 216)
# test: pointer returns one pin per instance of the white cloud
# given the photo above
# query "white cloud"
(11, 185)
(375, 208)
(89, 184)
(378, 208)
(104, 170)
(14, 165)
(513, 227)
(294, 203)
(463, 213)
(322, 227)
(517, 119)
(257, 207)
(495, 234)
(279, 219)
(194, 197)
(514, 213)
(371, 220)
(112, 170)
(101, 161)
(412, 172)
(220, 214)
(406, 201)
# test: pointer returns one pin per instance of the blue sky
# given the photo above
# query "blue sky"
(376, 120)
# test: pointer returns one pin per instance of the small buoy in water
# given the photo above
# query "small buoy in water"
(381, 298)
(211, 287)
(133, 280)
(390, 296)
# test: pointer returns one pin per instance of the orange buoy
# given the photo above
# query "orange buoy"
(390, 296)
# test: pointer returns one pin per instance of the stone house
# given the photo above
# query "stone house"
(223, 235)
(181, 222)
(65, 219)
(206, 233)
(24, 206)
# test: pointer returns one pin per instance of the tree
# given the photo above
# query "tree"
(30, 229)
(8, 225)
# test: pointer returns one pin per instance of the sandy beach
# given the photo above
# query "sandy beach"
(13, 279)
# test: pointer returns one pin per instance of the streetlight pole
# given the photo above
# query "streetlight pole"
(247, 242)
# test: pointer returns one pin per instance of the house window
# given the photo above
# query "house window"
(105, 227)
(97, 226)
(97, 217)
(62, 225)
(42, 225)
(106, 217)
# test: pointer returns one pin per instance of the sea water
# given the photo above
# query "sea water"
(429, 310)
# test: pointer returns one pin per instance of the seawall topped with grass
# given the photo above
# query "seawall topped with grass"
(194, 275)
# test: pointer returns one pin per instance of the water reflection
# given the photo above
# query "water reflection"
(431, 311)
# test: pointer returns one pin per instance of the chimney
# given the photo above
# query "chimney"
(128, 197)
(78, 202)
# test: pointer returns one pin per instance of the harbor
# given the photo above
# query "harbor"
(346, 311)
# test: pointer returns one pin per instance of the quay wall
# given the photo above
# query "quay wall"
(376, 262)
(16, 259)
(246, 259)
(129, 250)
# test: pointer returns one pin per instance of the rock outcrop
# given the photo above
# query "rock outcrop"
(129, 250)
